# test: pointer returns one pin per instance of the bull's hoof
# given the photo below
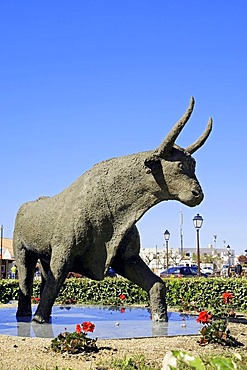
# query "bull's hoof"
(22, 313)
(159, 317)
(40, 320)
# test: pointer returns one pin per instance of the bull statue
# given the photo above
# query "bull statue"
(91, 225)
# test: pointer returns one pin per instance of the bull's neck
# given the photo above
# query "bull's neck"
(128, 189)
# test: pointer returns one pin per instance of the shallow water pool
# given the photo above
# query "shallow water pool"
(110, 322)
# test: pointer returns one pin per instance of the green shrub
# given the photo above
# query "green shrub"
(193, 293)
(199, 293)
(106, 292)
(8, 290)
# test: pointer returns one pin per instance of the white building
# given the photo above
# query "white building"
(216, 258)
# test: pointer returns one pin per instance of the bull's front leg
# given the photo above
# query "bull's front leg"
(139, 273)
(129, 264)
(26, 262)
(56, 275)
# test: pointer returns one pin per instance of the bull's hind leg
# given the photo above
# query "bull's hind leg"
(51, 284)
(44, 267)
(25, 262)
(129, 264)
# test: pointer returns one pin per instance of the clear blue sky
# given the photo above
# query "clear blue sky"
(83, 81)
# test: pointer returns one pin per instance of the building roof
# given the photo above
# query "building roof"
(7, 248)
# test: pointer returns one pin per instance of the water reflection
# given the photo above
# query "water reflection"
(110, 322)
(65, 308)
(24, 326)
(160, 329)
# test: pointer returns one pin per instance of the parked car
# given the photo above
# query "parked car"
(207, 270)
(111, 272)
(181, 271)
(227, 271)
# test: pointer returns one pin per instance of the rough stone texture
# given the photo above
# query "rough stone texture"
(91, 224)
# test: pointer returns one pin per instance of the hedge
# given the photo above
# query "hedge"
(196, 292)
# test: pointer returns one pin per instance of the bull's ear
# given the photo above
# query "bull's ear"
(153, 163)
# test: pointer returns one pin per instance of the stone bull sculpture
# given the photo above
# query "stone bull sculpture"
(91, 224)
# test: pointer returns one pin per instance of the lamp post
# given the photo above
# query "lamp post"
(167, 237)
(229, 254)
(198, 220)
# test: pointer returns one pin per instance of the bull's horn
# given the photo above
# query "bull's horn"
(168, 142)
(197, 144)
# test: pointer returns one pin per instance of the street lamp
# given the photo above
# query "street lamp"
(198, 220)
(229, 254)
(167, 237)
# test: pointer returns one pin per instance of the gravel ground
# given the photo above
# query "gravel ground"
(18, 353)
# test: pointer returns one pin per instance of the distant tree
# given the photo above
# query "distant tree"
(242, 259)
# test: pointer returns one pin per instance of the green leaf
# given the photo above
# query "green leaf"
(221, 363)
(190, 360)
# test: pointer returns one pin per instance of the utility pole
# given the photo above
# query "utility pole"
(181, 233)
(215, 239)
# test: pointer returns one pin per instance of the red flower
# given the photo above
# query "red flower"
(204, 317)
(88, 326)
(35, 299)
(227, 297)
(122, 296)
(122, 310)
(78, 328)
